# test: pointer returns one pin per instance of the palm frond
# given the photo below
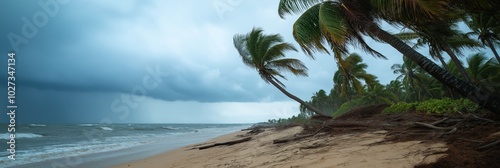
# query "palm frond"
(295, 6)
(294, 66)
(278, 50)
(307, 32)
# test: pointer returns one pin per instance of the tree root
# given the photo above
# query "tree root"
(228, 143)
(489, 145)
(433, 127)
(470, 140)
(440, 121)
(283, 140)
(451, 129)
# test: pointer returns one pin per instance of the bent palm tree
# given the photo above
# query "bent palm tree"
(338, 23)
(265, 53)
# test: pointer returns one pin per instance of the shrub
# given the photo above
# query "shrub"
(435, 106)
(400, 108)
(438, 106)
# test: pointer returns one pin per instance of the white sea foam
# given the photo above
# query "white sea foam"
(86, 125)
(79, 148)
(106, 128)
(170, 128)
(20, 135)
(37, 125)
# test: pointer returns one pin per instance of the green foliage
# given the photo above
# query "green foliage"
(294, 120)
(435, 106)
(400, 108)
(344, 108)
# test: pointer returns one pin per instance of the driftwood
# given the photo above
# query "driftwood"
(228, 143)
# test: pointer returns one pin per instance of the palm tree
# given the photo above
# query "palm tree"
(266, 53)
(443, 37)
(378, 94)
(339, 23)
(396, 87)
(412, 78)
(349, 76)
(487, 27)
(485, 72)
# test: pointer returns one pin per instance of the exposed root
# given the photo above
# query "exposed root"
(440, 121)
(489, 145)
(475, 141)
(283, 140)
(434, 127)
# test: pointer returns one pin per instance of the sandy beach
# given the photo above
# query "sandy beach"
(360, 149)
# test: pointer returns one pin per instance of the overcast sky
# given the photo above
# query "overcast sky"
(80, 61)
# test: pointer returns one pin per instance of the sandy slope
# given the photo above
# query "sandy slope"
(350, 150)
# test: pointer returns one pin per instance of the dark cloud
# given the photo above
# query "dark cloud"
(91, 52)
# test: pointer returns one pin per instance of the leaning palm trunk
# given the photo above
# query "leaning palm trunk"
(457, 62)
(291, 96)
(490, 44)
(477, 95)
(445, 66)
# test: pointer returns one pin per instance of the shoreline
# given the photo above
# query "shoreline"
(120, 156)
(362, 149)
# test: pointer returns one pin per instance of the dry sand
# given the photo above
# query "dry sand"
(348, 150)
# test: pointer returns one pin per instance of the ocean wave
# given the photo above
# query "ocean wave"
(170, 128)
(37, 125)
(20, 135)
(86, 125)
(106, 128)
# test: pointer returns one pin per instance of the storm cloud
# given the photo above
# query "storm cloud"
(86, 54)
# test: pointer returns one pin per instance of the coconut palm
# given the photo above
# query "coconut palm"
(351, 71)
(340, 23)
(413, 79)
(486, 27)
(396, 87)
(266, 53)
(378, 94)
(485, 72)
(443, 37)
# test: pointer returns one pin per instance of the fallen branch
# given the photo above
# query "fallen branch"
(489, 145)
(228, 143)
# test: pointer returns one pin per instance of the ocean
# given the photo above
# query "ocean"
(40, 143)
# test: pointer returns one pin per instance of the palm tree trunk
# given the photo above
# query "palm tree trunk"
(445, 66)
(457, 62)
(490, 44)
(291, 96)
(477, 95)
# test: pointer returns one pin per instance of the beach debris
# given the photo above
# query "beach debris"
(228, 143)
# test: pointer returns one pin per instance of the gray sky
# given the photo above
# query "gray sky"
(80, 61)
